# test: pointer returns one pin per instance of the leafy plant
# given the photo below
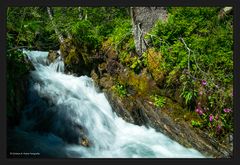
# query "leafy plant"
(159, 101)
(195, 123)
(120, 89)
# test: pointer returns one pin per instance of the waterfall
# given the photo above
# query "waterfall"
(65, 111)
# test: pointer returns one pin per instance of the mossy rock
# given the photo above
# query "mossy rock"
(106, 82)
(155, 62)
(52, 56)
(72, 57)
(142, 84)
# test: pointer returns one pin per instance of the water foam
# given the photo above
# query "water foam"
(60, 103)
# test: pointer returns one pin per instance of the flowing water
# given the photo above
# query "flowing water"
(64, 110)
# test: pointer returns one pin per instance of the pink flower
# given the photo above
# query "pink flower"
(216, 117)
(204, 82)
(199, 111)
(227, 110)
(210, 117)
(200, 93)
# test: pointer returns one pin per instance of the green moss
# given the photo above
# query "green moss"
(155, 65)
(140, 83)
(72, 57)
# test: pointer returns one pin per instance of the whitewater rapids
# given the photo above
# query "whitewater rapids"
(60, 103)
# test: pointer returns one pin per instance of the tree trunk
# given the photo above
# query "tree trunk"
(64, 13)
(143, 19)
(60, 37)
(224, 11)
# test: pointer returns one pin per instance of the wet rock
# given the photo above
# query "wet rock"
(95, 76)
(84, 142)
(52, 55)
(113, 67)
(118, 106)
(106, 82)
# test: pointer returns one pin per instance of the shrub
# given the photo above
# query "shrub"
(194, 46)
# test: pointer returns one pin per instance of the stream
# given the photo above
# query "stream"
(65, 111)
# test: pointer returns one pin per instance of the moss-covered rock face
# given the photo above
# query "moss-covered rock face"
(141, 84)
(130, 97)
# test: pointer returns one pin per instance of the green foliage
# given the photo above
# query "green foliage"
(106, 18)
(220, 124)
(195, 123)
(210, 42)
(159, 101)
(121, 33)
(16, 62)
(133, 63)
(188, 92)
(17, 69)
(26, 26)
(136, 63)
(84, 34)
(188, 96)
(216, 103)
(120, 89)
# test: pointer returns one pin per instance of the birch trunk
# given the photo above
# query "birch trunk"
(60, 37)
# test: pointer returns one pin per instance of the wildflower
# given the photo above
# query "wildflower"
(204, 82)
(199, 111)
(200, 93)
(210, 117)
(227, 110)
(216, 117)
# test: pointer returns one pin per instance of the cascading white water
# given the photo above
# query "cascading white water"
(61, 105)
